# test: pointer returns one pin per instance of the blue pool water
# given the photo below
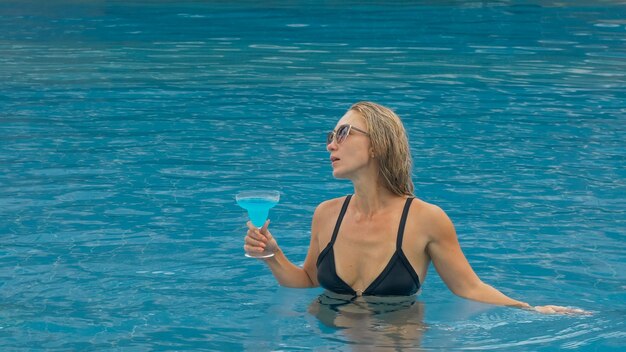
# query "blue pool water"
(127, 128)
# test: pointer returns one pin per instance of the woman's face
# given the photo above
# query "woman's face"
(353, 154)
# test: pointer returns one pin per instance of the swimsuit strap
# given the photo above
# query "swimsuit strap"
(341, 214)
(405, 214)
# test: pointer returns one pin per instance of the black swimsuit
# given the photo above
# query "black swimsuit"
(397, 279)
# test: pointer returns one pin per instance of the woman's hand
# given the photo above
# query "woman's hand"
(559, 310)
(259, 241)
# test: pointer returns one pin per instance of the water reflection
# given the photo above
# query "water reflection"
(372, 323)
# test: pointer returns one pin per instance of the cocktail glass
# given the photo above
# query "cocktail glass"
(258, 204)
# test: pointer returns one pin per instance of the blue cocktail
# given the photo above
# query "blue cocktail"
(258, 205)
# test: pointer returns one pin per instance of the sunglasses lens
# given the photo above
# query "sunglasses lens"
(329, 137)
(342, 133)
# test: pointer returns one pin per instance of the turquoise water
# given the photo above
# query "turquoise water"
(258, 209)
(127, 128)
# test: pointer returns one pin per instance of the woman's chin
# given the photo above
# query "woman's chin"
(337, 174)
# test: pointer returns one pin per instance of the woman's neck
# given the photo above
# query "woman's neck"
(371, 197)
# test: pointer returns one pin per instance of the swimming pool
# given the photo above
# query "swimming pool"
(127, 128)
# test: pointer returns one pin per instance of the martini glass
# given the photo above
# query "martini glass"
(258, 204)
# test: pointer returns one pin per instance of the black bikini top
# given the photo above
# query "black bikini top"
(397, 279)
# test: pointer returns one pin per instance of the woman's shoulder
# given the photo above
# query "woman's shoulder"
(330, 206)
(430, 217)
(424, 208)
(322, 218)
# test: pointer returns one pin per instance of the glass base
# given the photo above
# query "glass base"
(260, 255)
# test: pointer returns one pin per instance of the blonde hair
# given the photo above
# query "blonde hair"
(390, 144)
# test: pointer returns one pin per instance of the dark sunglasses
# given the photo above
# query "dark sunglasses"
(342, 133)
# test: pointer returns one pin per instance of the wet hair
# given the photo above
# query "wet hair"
(390, 146)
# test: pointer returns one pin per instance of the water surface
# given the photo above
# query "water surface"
(127, 127)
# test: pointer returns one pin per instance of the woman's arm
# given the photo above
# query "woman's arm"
(286, 273)
(454, 269)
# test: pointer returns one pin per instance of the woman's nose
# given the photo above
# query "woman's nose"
(332, 145)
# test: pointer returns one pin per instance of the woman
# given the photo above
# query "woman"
(380, 240)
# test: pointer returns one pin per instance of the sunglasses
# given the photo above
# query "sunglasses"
(342, 133)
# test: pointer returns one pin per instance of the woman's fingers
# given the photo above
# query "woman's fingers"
(265, 226)
(544, 310)
(258, 240)
(254, 242)
(250, 226)
(560, 310)
(251, 249)
(254, 232)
